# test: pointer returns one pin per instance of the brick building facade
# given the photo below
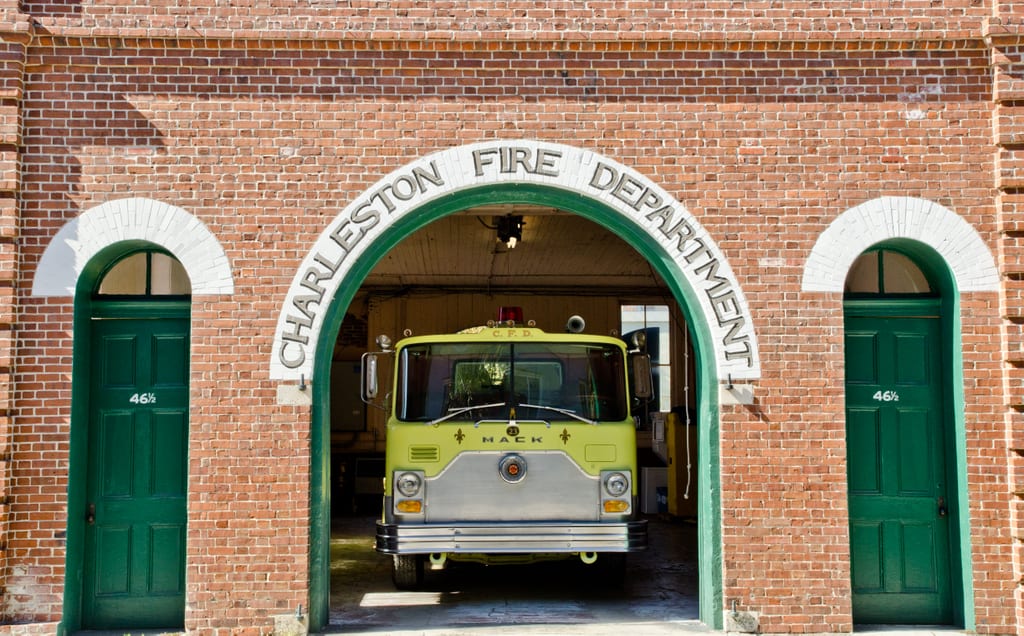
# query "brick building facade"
(242, 138)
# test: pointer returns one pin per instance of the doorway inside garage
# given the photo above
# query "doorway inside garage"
(453, 274)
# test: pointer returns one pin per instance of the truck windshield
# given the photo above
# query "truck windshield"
(472, 381)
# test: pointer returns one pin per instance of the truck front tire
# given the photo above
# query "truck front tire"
(407, 571)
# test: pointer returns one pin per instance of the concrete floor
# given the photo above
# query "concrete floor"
(659, 596)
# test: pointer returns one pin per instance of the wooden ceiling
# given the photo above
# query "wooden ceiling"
(558, 251)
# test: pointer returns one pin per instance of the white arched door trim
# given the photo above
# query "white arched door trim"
(969, 258)
(133, 219)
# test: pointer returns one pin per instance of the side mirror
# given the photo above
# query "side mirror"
(369, 382)
(643, 379)
(369, 385)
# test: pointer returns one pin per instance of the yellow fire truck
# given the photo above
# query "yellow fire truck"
(507, 443)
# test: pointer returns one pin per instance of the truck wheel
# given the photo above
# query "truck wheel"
(407, 571)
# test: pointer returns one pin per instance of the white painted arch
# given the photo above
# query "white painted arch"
(648, 211)
(133, 219)
(855, 230)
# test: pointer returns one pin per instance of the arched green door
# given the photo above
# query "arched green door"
(896, 432)
(136, 475)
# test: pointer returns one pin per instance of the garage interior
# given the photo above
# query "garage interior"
(455, 273)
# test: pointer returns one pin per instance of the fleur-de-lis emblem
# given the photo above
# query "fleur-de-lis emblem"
(459, 436)
(565, 436)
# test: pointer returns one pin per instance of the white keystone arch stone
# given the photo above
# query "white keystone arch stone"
(691, 254)
(168, 226)
(871, 222)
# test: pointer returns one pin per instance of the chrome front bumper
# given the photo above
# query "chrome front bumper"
(511, 538)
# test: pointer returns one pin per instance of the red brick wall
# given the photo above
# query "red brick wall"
(784, 472)
(504, 20)
(986, 462)
(38, 479)
(766, 121)
(12, 55)
(248, 477)
(1008, 71)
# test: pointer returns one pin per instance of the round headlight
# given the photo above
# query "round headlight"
(408, 484)
(616, 484)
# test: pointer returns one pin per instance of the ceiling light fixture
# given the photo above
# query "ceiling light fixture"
(510, 230)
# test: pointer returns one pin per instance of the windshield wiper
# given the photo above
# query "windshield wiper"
(464, 409)
(560, 411)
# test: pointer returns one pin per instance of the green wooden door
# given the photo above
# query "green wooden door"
(899, 520)
(134, 572)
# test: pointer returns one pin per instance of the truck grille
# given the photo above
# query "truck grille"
(471, 489)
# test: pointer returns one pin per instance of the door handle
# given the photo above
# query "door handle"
(942, 507)
(90, 515)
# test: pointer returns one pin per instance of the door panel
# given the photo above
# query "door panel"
(114, 542)
(862, 442)
(169, 433)
(118, 364)
(866, 551)
(116, 445)
(899, 541)
(913, 366)
(919, 571)
(170, 360)
(137, 474)
(862, 367)
(916, 448)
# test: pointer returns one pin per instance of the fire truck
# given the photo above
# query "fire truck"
(508, 444)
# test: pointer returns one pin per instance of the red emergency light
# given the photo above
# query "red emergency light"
(510, 314)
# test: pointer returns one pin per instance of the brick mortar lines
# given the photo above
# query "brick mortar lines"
(192, 40)
(892, 29)
(579, 71)
(311, 23)
(736, 29)
(132, 53)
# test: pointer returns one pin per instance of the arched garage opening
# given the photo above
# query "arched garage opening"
(519, 173)
(454, 274)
